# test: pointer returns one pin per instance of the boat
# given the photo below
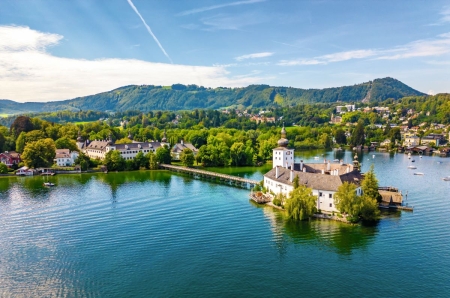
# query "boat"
(316, 157)
(412, 160)
(336, 160)
(373, 156)
(49, 184)
(409, 155)
(412, 167)
(446, 178)
(418, 173)
(420, 156)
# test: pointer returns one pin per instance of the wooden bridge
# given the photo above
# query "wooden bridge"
(210, 175)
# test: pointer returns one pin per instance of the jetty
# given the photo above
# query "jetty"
(211, 175)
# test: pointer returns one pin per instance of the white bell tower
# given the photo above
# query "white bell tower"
(282, 156)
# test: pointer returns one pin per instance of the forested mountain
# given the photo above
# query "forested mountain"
(181, 97)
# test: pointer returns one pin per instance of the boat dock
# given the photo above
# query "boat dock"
(392, 198)
(211, 175)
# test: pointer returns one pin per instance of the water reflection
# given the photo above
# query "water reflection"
(339, 237)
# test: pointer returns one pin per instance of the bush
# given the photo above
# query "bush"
(276, 202)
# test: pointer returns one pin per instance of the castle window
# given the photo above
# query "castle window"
(330, 196)
(331, 205)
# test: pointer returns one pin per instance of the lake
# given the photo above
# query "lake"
(159, 234)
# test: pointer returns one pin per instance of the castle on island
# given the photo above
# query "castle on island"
(323, 178)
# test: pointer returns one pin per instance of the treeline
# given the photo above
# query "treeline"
(181, 97)
(59, 116)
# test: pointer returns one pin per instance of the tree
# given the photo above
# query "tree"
(65, 143)
(3, 168)
(152, 162)
(369, 209)
(395, 135)
(114, 161)
(347, 201)
(140, 161)
(237, 153)
(21, 124)
(187, 157)
(358, 137)
(339, 136)
(295, 182)
(20, 142)
(124, 141)
(326, 141)
(369, 185)
(301, 203)
(163, 155)
(83, 160)
(39, 154)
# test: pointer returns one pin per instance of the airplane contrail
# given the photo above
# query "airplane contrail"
(149, 30)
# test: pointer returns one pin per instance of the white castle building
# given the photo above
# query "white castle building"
(323, 178)
(98, 149)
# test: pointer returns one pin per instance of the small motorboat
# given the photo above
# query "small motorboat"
(420, 156)
(373, 156)
(49, 184)
(412, 167)
(316, 157)
(418, 173)
(446, 178)
(336, 160)
(412, 160)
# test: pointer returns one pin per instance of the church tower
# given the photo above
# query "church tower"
(282, 156)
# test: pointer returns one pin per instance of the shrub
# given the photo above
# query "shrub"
(276, 202)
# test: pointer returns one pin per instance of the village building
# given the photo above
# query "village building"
(10, 158)
(411, 141)
(81, 144)
(24, 171)
(65, 158)
(346, 108)
(179, 147)
(98, 149)
(433, 139)
(323, 178)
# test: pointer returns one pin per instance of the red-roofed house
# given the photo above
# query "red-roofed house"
(10, 158)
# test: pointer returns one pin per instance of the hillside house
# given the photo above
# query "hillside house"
(10, 158)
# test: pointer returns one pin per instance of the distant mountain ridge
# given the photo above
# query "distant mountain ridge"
(181, 97)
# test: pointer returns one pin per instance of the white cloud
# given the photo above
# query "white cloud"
(253, 56)
(29, 73)
(445, 15)
(419, 48)
(335, 57)
(202, 9)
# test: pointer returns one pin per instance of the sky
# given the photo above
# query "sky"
(55, 50)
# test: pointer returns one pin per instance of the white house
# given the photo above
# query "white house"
(65, 158)
(323, 178)
(24, 171)
(179, 147)
(98, 149)
(411, 141)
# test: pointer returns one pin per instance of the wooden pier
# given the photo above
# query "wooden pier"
(210, 175)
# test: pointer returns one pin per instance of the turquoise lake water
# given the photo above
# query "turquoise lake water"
(159, 234)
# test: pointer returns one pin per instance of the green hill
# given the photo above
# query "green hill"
(181, 97)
